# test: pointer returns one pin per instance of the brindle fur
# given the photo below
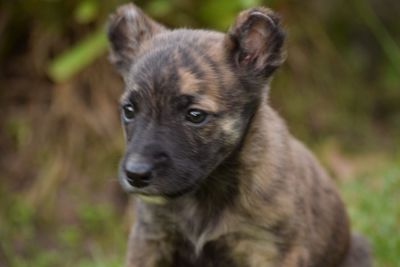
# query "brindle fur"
(238, 190)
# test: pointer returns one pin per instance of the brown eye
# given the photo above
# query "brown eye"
(196, 116)
(128, 111)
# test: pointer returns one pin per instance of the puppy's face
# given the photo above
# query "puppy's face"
(189, 95)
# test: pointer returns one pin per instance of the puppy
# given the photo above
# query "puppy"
(219, 179)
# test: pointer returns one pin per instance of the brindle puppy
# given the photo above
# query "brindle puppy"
(220, 181)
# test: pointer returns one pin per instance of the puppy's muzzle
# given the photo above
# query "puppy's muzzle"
(138, 174)
(141, 169)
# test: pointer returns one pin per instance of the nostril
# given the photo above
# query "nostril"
(138, 174)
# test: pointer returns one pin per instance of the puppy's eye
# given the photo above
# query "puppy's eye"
(196, 116)
(128, 111)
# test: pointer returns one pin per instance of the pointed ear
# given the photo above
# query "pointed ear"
(255, 41)
(128, 29)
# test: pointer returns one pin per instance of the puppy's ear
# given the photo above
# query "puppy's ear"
(128, 29)
(255, 41)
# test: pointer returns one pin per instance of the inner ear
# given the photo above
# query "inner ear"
(255, 41)
(128, 29)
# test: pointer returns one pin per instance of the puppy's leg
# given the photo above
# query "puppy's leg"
(296, 258)
(147, 252)
(254, 253)
(359, 254)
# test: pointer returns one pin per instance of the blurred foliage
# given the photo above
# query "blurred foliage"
(78, 57)
(60, 203)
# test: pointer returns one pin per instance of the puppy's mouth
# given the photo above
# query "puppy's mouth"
(160, 197)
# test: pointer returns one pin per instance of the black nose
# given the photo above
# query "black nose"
(138, 174)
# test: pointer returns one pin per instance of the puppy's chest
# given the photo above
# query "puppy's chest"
(213, 253)
(231, 250)
(221, 243)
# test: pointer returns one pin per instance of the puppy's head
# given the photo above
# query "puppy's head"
(189, 95)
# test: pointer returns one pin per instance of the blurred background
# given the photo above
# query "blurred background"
(60, 138)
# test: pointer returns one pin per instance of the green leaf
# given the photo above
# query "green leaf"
(64, 66)
(86, 11)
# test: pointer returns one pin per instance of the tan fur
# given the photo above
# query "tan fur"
(188, 82)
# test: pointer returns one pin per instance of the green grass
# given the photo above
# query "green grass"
(373, 202)
(96, 239)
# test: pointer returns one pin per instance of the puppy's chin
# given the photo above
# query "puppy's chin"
(157, 200)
